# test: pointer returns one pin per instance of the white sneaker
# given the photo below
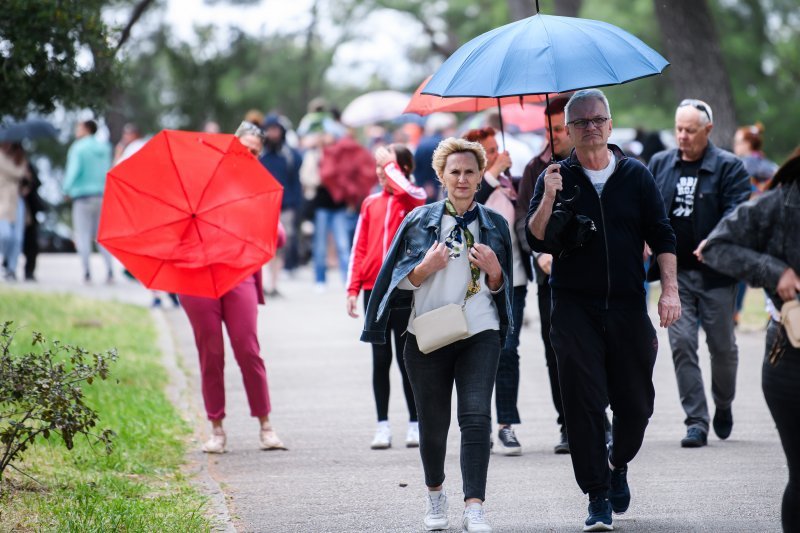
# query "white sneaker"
(436, 511)
(383, 437)
(412, 437)
(474, 520)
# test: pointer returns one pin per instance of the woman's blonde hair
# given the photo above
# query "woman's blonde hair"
(453, 145)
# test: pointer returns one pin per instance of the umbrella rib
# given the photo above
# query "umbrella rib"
(177, 173)
(124, 182)
(240, 199)
(213, 176)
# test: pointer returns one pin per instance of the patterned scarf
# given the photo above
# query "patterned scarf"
(456, 244)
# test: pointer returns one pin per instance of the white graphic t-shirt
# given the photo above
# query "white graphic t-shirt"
(600, 177)
(683, 204)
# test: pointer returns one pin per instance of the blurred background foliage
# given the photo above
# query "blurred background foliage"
(160, 80)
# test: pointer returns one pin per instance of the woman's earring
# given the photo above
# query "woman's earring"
(478, 187)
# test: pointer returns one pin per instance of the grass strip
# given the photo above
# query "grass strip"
(139, 487)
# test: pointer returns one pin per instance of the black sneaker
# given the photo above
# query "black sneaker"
(599, 518)
(695, 438)
(507, 442)
(619, 494)
(723, 422)
(563, 444)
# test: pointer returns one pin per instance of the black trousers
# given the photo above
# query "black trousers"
(781, 384)
(30, 247)
(471, 365)
(544, 295)
(382, 362)
(604, 356)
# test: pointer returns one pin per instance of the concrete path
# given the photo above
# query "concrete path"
(330, 481)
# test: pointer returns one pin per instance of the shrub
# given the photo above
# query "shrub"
(41, 395)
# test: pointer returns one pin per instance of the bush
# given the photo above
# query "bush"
(41, 395)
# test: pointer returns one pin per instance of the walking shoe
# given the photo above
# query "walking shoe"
(383, 437)
(507, 441)
(619, 494)
(723, 422)
(436, 511)
(412, 436)
(216, 443)
(563, 444)
(269, 439)
(695, 438)
(474, 520)
(599, 518)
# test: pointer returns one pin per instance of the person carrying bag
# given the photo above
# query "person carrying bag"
(454, 335)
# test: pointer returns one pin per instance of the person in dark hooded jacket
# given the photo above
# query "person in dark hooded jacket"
(283, 162)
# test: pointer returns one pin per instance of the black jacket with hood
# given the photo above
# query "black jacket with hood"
(609, 269)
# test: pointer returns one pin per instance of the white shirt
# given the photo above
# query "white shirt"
(600, 177)
(449, 285)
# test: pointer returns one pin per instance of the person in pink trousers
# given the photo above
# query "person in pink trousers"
(238, 310)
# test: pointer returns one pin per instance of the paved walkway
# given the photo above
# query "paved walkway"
(320, 385)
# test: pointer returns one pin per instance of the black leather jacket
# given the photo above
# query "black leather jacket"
(722, 184)
(759, 240)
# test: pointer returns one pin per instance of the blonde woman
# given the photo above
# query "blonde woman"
(454, 251)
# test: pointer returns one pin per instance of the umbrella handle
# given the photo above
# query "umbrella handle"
(549, 121)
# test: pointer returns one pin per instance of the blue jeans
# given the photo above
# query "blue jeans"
(11, 237)
(472, 365)
(507, 382)
(341, 224)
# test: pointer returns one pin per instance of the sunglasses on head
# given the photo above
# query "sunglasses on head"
(697, 104)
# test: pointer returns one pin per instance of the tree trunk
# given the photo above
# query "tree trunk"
(568, 8)
(697, 69)
(520, 9)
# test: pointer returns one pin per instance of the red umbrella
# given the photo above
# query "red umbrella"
(425, 104)
(191, 213)
(527, 117)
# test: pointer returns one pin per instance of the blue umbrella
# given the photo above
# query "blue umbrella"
(544, 54)
(34, 128)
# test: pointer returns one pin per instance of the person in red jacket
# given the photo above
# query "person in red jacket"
(381, 216)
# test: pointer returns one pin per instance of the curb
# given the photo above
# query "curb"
(178, 392)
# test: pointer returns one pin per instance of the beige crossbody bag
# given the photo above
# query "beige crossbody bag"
(440, 327)
(790, 319)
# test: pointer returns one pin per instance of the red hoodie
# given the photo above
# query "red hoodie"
(381, 216)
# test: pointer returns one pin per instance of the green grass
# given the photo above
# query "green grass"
(139, 487)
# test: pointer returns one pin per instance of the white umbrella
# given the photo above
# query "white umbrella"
(374, 107)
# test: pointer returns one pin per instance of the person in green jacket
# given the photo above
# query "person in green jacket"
(88, 160)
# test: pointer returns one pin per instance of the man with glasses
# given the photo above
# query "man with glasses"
(603, 339)
(700, 184)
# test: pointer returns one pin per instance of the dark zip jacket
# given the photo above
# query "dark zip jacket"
(722, 184)
(609, 269)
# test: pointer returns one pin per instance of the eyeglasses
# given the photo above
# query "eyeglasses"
(697, 104)
(583, 123)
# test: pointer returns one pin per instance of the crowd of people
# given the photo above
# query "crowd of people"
(442, 235)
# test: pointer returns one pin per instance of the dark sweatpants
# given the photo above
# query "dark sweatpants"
(604, 356)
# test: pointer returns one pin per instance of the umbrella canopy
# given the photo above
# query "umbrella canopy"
(425, 104)
(374, 107)
(544, 54)
(191, 213)
(34, 128)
